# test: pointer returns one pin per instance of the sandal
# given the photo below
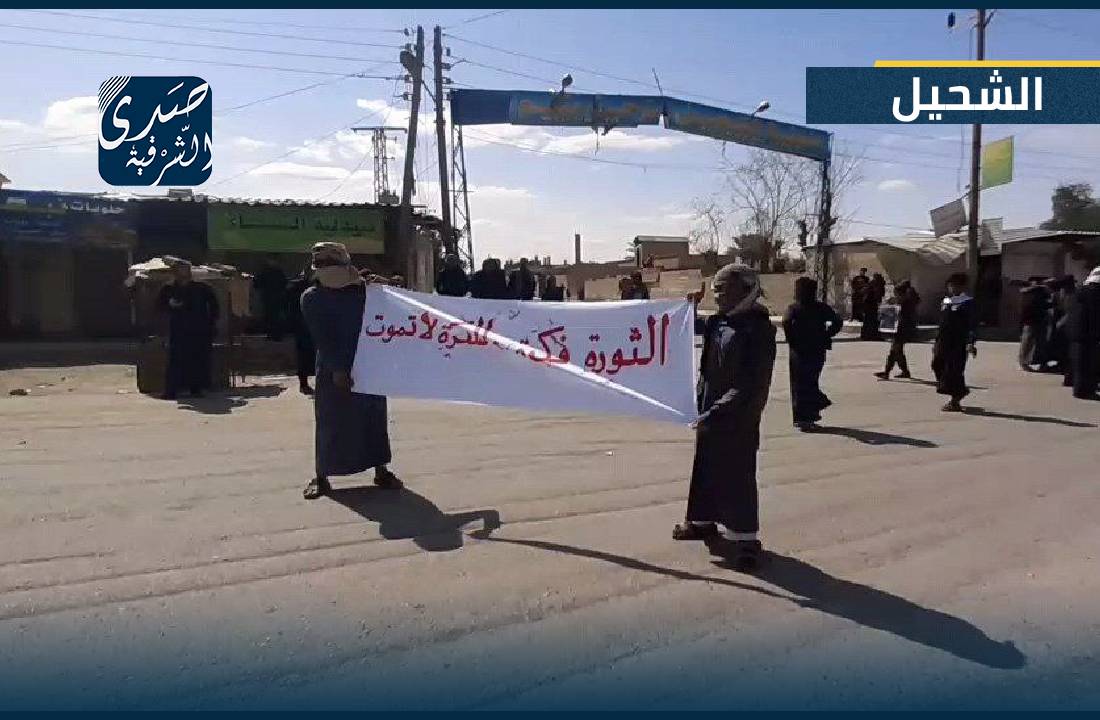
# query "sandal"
(316, 488)
(694, 531)
(385, 479)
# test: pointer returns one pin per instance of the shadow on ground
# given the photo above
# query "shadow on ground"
(870, 437)
(223, 403)
(405, 515)
(808, 586)
(982, 412)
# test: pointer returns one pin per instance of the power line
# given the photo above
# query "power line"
(477, 18)
(248, 66)
(263, 23)
(189, 43)
(178, 26)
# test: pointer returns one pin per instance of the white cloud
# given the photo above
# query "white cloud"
(301, 170)
(896, 185)
(614, 140)
(73, 116)
(247, 143)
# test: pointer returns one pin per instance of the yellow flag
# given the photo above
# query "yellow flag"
(997, 163)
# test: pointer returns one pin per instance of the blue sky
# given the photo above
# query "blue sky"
(526, 203)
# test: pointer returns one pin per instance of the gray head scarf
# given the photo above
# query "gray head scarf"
(745, 275)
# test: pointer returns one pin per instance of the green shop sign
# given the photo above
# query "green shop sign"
(274, 228)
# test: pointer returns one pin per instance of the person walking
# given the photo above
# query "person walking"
(907, 301)
(1034, 314)
(305, 353)
(734, 380)
(809, 327)
(352, 431)
(192, 311)
(452, 280)
(955, 340)
(873, 296)
(1083, 334)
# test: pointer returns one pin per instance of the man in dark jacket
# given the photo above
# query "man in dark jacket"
(1034, 314)
(271, 284)
(809, 327)
(906, 300)
(452, 278)
(489, 283)
(522, 282)
(1083, 333)
(192, 311)
(734, 380)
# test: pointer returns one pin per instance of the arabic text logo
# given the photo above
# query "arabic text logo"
(155, 131)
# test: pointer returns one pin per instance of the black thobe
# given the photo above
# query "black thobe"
(352, 433)
(809, 329)
(1083, 333)
(192, 312)
(872, 299)
(271, 285)
(1033, 327)
(949, 354)
(734, 379)
(554, 294)
(905, 332)
(304, 351)
(489, 285)
(452, 282)
(521, 285)
(859, 288)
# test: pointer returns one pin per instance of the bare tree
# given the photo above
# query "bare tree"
(770, 191)
(709, 218)
(845, 172)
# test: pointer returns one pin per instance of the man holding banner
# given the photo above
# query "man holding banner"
(734, 381)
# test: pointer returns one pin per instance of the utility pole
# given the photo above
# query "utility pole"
(973, 247)
(461, 214)
(414, 63)
(380, 148)
(449, 245)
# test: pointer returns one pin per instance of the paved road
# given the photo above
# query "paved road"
(155, 554)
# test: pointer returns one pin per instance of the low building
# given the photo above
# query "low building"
(63, 264)
(659, 248)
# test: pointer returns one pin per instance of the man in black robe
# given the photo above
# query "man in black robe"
(859, 286)
(352, 433)
(192, 311)
(271, 285)
(522, 283)
(304, 351)
(553, 292)
(452, 280)
(490, 282)
(1083, 333)
(1034, 313)
(873, 295)
(734, 381)
(1063, 290)
(907, 301)
(809, 327)
(955, 340)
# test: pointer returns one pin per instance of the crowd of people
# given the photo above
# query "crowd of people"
(1060, 328)
(324, 308)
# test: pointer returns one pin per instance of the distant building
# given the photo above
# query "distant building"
(662, 247)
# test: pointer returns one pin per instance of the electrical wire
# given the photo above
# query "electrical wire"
(189, 43)
(477, 18)
(267, 23)
(178, 26)
(248, 66)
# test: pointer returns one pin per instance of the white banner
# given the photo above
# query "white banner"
(627, 358)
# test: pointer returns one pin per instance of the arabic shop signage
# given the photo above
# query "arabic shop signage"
(276, 228)
(990, 92)
(155, 131)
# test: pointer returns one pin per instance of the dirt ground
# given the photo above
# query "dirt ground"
(157, 554)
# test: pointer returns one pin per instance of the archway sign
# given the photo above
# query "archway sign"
(605, 112)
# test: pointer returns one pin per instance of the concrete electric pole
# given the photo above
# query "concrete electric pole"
(449, 245)
(414, 63)
(973, 245)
